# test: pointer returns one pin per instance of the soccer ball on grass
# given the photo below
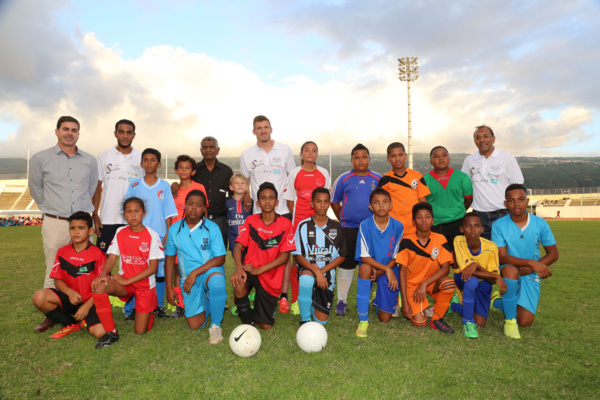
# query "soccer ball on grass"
(312, 337)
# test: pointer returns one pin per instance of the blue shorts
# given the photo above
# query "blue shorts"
(197, 301)
(528, 295)
(386, 299)
(483, 295)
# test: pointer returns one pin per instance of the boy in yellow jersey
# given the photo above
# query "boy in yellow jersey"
(475, 271)
(406, 186)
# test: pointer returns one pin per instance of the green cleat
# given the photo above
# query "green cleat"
(295, 308)
(361, 331)
(453, 301)
(470, 330)
(495, 296)
(511, 329)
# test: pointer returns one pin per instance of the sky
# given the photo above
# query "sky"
(322, 70)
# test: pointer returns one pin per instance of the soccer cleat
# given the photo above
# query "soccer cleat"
(361, 331)
(396, 313)
(302, 322)
(178, 313)
(372, 299)
(495, 296)
(284, 305)
(429, 311)
(65, 330)
(107, 339)
(234, 310)
(470, 330)
(83, 324)
(511, 329)
(130, 317)
(252, 295)
(440, 325)
(215, 334)
(159, 312)
(295, 308)
(453, 301)
(340, 309)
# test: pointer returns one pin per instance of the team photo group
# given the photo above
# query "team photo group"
(402, 232)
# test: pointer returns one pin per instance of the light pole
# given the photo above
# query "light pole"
(409, 72)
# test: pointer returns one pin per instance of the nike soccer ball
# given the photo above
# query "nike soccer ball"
(312, 337)
(245, 341)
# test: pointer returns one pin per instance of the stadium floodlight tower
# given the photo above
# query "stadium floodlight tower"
(409, 72)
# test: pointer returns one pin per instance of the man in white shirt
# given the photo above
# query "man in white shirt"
(491, 171)
(267, 161)
(117, 168)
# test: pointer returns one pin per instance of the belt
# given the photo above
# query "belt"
(502, 210)
(56, 217)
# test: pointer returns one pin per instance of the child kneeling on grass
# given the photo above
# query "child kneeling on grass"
(72, 302)
(320, 248)
(198, 244)
(268, 239)
(518, 236)
(475, 271)
(379, 238)
(425, 259)
(139, 249)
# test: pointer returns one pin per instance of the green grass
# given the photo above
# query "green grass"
(558, 357)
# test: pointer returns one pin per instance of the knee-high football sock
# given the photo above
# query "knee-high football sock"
(363, 295)
(306, 284)
(443, 299)
(104, 311)
(218, 297)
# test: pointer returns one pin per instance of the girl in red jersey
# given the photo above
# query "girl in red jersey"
(301, 183)
(139, 249)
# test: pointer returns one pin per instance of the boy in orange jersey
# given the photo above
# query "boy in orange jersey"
(406, 186)
(424, 258)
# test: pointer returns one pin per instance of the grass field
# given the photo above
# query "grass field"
(558, 357)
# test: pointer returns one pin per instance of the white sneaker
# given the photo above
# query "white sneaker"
(215, 334)
(429, 312)
(396, 313)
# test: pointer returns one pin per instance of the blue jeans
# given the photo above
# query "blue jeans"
(487, 218)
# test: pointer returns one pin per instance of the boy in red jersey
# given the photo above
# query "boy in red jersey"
(268, 239)
(72, 302)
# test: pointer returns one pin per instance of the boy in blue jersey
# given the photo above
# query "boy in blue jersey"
(378, 239)
(160, 209)
(518, 236)
(198, 243)
(320, 248)
(350, 203)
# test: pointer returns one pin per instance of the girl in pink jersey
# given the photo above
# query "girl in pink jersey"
(139, 249)
(301, 183)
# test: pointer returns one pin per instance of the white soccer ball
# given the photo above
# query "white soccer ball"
(312, 337)
(245, 341)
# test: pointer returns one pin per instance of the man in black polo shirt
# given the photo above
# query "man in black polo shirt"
(214, 175)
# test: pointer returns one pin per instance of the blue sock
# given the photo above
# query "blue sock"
(363, 295)
(305, 290)
(317, 319)
(468, 304)
(129, 306)
(509, 299)
(218, 297)
(457, 308)
(160, 291)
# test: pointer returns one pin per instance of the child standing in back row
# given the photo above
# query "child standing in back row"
(236, 213)
(301, 183)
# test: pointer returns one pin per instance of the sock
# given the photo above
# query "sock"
(160, 290)
(317, 319)
(457, 308)
(177, 290)
(498, 304)
(443, 299)
(509, 299)
(468, 304)
(363, 295)
(345, 277)
(245, 313)
(104, 311)
(306, 284)
(129, 306)
(218, 297)
(294, 284)
(58, 315)
(150, 322)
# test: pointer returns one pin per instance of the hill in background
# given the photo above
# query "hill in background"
(539, 172)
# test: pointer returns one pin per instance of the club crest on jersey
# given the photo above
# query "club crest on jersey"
(435, 252)
(161, 194)
(272, 243)
(83, 270)
(144, 247)
(414, 183)
(204, 245)
(333, 234)
(108, 168)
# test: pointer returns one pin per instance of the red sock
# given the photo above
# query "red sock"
(104, 311)
(177, 290)
(294, 283)
(150, 322)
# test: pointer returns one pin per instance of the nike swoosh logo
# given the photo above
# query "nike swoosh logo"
(241, 334)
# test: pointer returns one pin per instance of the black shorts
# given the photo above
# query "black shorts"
(108, 233)
(322, 300)
(450, 230)
(65, 305)
(350, 236)
(265, 304)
